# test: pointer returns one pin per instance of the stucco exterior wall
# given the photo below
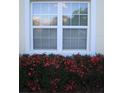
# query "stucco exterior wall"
(21, 27)
(99, 27)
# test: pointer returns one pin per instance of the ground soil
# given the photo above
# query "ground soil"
(89, 91)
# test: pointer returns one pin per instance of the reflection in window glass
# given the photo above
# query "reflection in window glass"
(83, 8)
(45, 24)
(53, 20)
(66, 20)
(75, 8)
(67, 8)
(52, 8)
(75, 14)
(71, 8)
(36, 21)
(45, 20)
(44, 8)
(83, 20)
(75, 20)
(40, 8)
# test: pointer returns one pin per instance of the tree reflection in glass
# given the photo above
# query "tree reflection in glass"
(75, 20)
(75, 14)
(66, 19)
(53, 20)
(83, 8)
(36, 21)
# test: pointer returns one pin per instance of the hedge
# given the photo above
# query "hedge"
(57, 73)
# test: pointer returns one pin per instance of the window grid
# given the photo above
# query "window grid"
(43, 42)
(70, 26)
(62, 26)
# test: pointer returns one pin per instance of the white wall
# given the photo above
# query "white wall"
(99, 27)
(21, 27)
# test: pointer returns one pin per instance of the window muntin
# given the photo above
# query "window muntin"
(74, 20)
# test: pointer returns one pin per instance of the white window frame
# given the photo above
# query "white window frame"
(91, 31)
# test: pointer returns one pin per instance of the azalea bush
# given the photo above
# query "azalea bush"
(57, 73)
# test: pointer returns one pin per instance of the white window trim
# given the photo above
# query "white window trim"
(91, 45)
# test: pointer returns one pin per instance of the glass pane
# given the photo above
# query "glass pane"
(75, 20)
(45, 43)
(45, 33)
(82, 44)
(66, 33)
(67, 8)
(66, 19)
(36, 21)
(66, 43)
(66, 38)
(53, 33)
(37, 33)
(45, 38)
(45, 20)
(74, 33)
(40, 8)
(53, 20)
(83, 20)
(53, 44)
(83, 8)
(75, 8)
(74, 38)
(52, 8)
(37, 43)
(44, 8)
(82, 34)
(74, 44)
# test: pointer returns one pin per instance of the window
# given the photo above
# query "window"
(75, 17)
(44, 25)
(60, 22)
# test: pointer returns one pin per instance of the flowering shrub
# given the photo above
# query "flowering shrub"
(56, 73)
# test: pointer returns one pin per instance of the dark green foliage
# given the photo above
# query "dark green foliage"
(56, 73)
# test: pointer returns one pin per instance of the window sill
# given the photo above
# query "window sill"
(63, 52)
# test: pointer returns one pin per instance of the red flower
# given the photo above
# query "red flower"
(33, 86)
(29, 74)
(71, 86)
(71, 66)
(54, 84)
(95, 59)
(36, 59)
